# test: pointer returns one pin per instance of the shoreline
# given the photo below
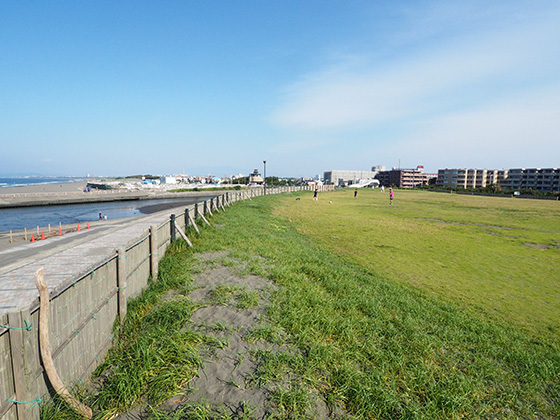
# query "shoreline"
(45, 188)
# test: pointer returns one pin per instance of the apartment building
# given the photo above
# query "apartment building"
(496, 176)
(404, 178)
(545, 180)
(465, 178)
(539, 179)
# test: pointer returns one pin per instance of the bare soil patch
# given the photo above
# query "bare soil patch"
(229, 381)
(232, 307)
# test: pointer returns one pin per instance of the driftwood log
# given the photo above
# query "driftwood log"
(46, 349)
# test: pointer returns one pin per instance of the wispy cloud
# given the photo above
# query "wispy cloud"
(465, 73)
(520, 133)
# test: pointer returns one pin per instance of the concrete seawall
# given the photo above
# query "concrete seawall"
(48, 198)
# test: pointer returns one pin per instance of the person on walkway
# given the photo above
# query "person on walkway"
(355, 193)
(391, 196)
(100, 216)
(315, 194)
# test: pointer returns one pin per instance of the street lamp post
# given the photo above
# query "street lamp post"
(264, 183)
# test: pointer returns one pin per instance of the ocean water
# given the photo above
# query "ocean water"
(33, 180)
(31, 217)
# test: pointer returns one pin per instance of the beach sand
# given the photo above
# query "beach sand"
(63, 187)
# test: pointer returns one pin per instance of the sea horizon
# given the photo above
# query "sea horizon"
(23, 180)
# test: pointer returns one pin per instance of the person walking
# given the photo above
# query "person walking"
(315, 194)
(391, 196)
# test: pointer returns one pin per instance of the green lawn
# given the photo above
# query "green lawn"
(438, 307)
(500, 256)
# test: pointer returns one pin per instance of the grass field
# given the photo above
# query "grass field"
(438, 307)
(500, 256)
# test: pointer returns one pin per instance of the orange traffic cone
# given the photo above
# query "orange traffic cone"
(87, 225)
(78, 227)
(42, 235)
(59, 231)
(32, 238)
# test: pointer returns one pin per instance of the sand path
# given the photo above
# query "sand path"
(229, 383)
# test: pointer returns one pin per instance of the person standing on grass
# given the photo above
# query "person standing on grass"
(315, 194)
(391, 196)
(355, 193)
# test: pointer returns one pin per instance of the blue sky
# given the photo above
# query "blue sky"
(216, 87)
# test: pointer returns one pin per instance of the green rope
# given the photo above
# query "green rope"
(38, 401)
(27, 326)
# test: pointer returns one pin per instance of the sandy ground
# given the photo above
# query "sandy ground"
(64, 187)
(228, 381)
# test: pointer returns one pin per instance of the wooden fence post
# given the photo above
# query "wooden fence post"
(186, 219)
(121, 284)
(153, 251)
(23, 368)
(172, 227)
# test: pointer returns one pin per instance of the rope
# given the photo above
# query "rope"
(27, 327)
(38, 401)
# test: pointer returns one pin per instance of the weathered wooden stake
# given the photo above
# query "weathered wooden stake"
(183, 235)
(204, 218)
(45, 347)
(194, 224)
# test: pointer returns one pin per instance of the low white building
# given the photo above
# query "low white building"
(347, 178)
(168, 180)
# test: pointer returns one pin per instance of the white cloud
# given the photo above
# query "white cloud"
(520, 133)
(438, 78)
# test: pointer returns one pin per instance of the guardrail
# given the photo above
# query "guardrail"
(84, 310)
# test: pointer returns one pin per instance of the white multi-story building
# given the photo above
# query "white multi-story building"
(344, 178)
(545, 180)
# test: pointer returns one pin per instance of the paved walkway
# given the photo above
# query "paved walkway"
(87, 249)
